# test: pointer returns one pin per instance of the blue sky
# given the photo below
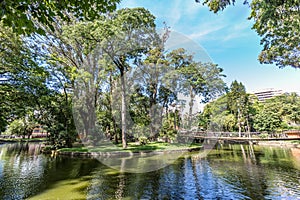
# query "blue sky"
(226, 37)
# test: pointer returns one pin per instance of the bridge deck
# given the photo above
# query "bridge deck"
(240, 138)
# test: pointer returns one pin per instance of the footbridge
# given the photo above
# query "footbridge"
(235, 136)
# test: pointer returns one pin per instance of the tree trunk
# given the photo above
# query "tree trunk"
(191, 104)
(248, 127)
(120, 63)
(239, 122)
(152, 113)
(123, 109)
(110, 108)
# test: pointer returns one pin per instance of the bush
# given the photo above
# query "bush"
(264, 135)
(143, 140)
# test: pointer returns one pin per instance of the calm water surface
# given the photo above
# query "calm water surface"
(228, 172)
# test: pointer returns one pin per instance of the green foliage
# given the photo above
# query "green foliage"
(138, 108)
(231, 112)
(169, 127)
(16, 127)
(195, 79)
(120, 38)
(83, 61)
(274, 115)
(267, 120)
(290, 109)
(264, 135)
(238, 104)
(22, 15)
(143, 140)
(29, 87)
(54, 111)
(217, 5)
(277, 22)
(279, 113)
(20, 127)
(237, 98)
(22, 81)
(217, 117)
(204, 79)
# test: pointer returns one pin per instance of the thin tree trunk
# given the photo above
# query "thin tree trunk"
(239, 122)
(123, 109)
(248, 127)
(120, 63)
(191, 104)
(110, 108)
(152, 113)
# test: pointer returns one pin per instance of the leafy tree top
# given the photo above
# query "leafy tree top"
(21, 14)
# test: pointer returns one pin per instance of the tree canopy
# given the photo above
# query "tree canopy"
(21, 15)
(108, 75)
(239, 111)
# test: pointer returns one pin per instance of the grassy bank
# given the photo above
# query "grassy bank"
(132, 147)
(23, 140)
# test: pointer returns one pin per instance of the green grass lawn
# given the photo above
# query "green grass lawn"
(132, 147)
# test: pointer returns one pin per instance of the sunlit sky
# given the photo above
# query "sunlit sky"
(226, 37)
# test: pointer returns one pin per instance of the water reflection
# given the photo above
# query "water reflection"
(140, 163)
(228, 172)
(255, 172)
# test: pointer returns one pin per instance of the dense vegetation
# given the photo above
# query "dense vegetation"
(82, 67)
(237, 111)
(107, 78)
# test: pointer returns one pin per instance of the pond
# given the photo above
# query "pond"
(227, 172)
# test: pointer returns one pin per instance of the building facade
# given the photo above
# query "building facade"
(267, 94)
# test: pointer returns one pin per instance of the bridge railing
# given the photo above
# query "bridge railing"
(230, 134)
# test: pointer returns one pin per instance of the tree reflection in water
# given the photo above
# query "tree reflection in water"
(228, 172)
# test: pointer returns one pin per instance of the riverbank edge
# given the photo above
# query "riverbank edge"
(20, 140)
(121, 154)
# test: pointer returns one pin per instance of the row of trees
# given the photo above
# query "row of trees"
(275, 21)
(110, 77)
(66, 62)
(238, 111)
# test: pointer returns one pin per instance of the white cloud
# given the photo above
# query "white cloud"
(175, 13)
(191, 8)
(238, 31)
(204, 32)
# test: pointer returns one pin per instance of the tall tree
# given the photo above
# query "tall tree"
(120, 37)
(196, 79)
(21, 79)
(149, 76)
(238, 104)
(76, 68)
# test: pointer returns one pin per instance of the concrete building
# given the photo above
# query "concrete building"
(267, 94)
